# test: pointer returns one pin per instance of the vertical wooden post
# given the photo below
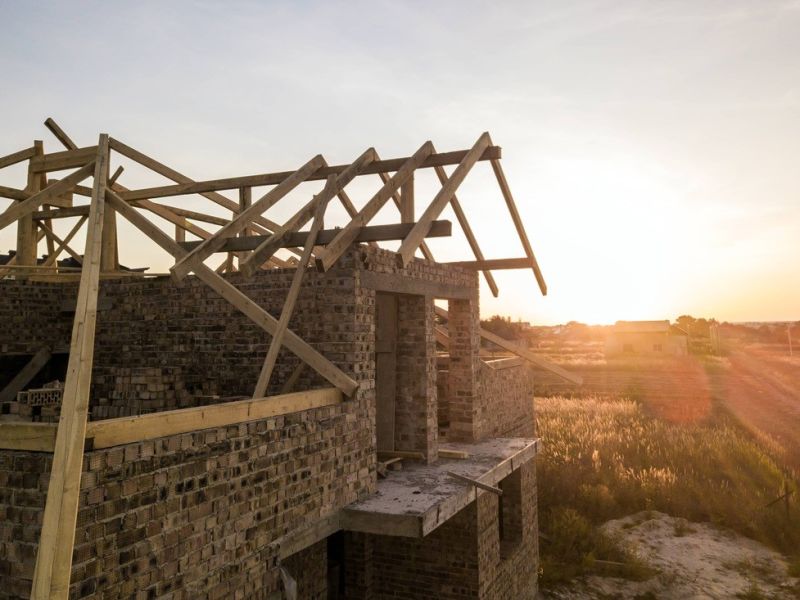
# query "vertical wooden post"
(407, 200)
(109, 256)
(180, 234)
(26, 227)
(245, 200)
(54, 557)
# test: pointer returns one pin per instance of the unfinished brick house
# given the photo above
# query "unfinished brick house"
(166, 436)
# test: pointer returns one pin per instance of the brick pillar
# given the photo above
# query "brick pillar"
(464, 330)
(416, 420)
(358, 578)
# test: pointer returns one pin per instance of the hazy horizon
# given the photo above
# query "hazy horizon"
(652, 148)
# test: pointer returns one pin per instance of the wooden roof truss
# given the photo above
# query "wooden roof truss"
(250, 240)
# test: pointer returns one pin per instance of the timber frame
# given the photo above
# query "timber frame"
(250, 240)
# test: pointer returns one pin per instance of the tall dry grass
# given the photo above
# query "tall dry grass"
(604, 458)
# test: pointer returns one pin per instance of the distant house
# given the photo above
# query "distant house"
(646, 338)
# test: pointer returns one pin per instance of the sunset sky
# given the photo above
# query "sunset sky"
(653, 147)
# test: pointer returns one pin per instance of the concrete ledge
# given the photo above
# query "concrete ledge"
(418, 499)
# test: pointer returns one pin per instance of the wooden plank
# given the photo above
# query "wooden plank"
(492, 264)
(66, 159)
(24, 377)
(59, 134)
(271, 245)
(348, 235)
(523, 237)
(398, 284)
(522, 352)
(179, 221)
(16, 157)
(196, 257)
(407, 248)
(476, 483)
(294, 290)
(369, 233)
(127, 430)
(379, 166)
(54, 557)
(34, 201)
(37, 437)
(239, 300)
(465, 227)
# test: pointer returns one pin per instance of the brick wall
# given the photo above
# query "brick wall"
(23, 490)
(506, 398)
(415, 409)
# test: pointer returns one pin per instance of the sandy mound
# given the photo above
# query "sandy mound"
(693, 560)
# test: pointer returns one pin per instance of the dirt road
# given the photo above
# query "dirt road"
(761, 387)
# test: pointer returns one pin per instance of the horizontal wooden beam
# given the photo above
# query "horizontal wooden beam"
(297, 239)
(38, 437)
(16, 157)
(61, 213)
(494, 264)
(66, 159)
(379, 166)
(127, 430)
(13, 193)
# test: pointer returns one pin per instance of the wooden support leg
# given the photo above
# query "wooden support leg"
(54, 558)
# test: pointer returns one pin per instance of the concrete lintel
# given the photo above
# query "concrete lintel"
(400, 284)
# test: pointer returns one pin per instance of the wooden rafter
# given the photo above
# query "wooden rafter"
(379, 166)
(523, 237)
(465, 227)
(406, 251)
(346, 237)
(54, 557)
